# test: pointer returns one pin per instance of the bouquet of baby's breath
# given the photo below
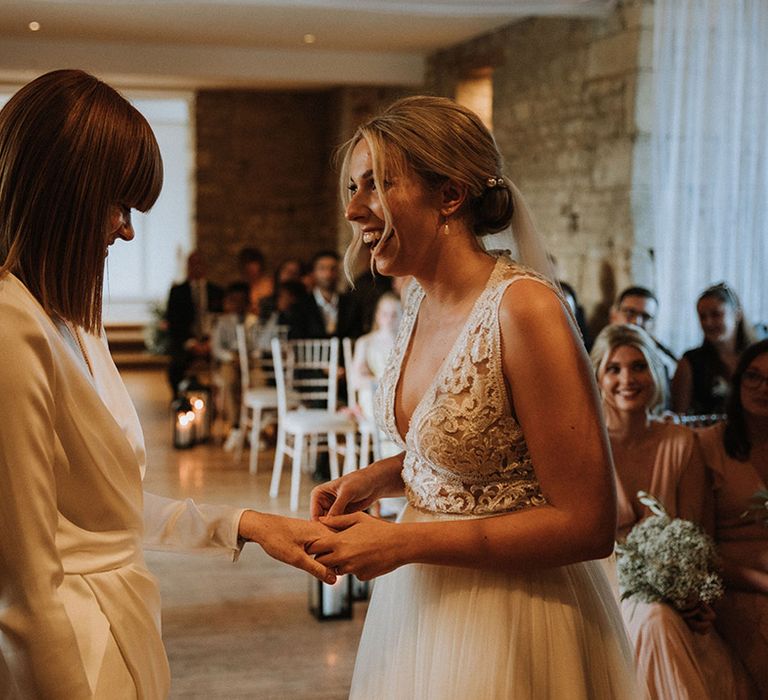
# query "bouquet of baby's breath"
(668, 560)
(758, 508)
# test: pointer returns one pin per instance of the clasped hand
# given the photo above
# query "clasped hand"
(359, 544)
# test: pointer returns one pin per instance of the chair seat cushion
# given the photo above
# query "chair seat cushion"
(317, 420)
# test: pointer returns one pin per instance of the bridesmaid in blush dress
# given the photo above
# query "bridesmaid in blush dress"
(736, 452)
(679, 656)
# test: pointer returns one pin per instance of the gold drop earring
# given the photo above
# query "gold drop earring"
(446, 230)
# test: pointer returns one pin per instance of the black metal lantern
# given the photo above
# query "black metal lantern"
(199, 396)
(331, 601)
(182, 423)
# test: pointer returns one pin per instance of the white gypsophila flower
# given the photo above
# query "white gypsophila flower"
(668, 560)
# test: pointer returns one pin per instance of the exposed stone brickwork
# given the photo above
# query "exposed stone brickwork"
(565, 118)
(265, 173)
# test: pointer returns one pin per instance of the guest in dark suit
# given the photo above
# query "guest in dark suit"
(188, 313)
(325, 313)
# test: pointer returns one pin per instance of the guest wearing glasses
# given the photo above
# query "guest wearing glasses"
(639, 306)
(736, 452)
(702, 381)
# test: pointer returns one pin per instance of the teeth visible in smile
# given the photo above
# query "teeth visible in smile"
(372, 237)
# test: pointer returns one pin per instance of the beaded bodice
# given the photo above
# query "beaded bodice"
(465, 452)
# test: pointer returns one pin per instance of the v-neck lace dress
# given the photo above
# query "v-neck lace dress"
(440, 632)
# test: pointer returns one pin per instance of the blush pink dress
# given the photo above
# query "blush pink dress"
(742, 615)
(673, 662)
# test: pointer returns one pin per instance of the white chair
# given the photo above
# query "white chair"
(259, 401)
(312, 374)
(366, 426)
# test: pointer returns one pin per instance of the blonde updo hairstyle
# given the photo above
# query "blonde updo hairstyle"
(617, 335)
(439, 140)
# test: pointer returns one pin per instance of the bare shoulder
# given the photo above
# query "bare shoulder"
(530, 306)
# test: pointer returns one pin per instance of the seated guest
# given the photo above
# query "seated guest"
(677, 656)
(736, 452)
(578, 311)
(289, 270)
(639, 306)
(189, 315)
(701, 383)
(253, 272)
(290, 300)
(224, 350)
(325, 312)
(367, 289)
(372, 350)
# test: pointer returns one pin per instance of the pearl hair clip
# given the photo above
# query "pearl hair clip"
(498, 181)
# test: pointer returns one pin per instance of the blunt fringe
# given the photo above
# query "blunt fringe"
(70, 147)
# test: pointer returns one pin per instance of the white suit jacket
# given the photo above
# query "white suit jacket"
(73, 517)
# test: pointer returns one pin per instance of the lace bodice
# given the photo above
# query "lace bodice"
(464, 451)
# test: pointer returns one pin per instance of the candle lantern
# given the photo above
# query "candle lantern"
(331, 601)
(199, 396)
(361, 590)
(183, 423)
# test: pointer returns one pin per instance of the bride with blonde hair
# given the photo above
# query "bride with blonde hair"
(485, 586)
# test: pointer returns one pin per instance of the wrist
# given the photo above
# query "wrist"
(252, 527)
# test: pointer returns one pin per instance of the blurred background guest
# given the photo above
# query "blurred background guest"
(640, 306)
(736, 452)
(701, 383)
(226, 374)
(189, 315)
(325, 312)
(253, 271)
(289, 269)
(372, 350)
(677, 655)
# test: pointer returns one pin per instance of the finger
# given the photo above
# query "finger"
(316, 568)
(320, 546)
(319, 502)
(340, 504)
(342, 522)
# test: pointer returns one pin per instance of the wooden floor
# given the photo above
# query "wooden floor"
(235, 630)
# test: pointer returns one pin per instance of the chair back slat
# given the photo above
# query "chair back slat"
(314, 371)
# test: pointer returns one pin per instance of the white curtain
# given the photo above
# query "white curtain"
(710, 158)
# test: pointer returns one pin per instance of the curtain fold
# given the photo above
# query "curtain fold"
(709, 158)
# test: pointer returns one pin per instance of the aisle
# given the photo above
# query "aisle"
(235, 630)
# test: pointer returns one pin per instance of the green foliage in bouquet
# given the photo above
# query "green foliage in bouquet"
(156, 331)
(758, 508)
(668, 560)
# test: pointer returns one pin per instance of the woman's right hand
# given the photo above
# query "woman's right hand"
(348, 494)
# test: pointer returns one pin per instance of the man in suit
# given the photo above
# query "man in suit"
(324, 313)
(190, 305)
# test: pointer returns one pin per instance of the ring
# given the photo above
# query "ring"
(336, 571)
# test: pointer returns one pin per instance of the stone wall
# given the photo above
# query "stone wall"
(265, 171)
(566, 120)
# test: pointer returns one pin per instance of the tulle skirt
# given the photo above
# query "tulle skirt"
(444, 633)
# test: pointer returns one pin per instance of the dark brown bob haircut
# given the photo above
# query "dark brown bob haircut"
(70, 148)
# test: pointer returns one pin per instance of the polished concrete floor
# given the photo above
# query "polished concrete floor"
(238, 630)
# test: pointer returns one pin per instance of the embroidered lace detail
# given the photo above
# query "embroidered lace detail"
(465, 452)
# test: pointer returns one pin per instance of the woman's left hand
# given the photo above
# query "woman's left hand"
(361, 545)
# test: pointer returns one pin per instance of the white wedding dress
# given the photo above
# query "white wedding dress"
(443, 633)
